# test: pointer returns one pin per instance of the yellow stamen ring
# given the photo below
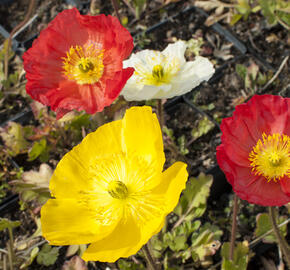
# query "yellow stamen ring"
(157, 69)
(271, 157)
(84, 64)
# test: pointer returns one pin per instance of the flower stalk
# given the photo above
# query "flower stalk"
(151, 263)
(160, 113)
(116, 8)
(281, 240)
(11, 254)
(234, 227)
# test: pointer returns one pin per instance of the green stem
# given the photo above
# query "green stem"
(281, 240)
(234, 227)
(151, 263)
(11, 255)
(116, 8)
(160, 112)
(4, 262)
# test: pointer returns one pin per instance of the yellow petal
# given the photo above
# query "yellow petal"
(122, 242)
(142, 135)
(151, 228)
(172, 184)
(71, 222)
(72, 173)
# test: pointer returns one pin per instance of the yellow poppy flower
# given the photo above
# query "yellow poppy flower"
(110, 190)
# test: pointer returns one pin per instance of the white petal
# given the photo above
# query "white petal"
(185, 75)
(192, 74)
(176, 50)
(146, 93)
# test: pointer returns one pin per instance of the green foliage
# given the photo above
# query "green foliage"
(208, 107)
(251, 76)
(4, 51)
(275, 11)
(14, 138)
(3, 188)
(2, 57)
(142, 41)
(34, 185)
(194, 46)
(33, 254)
(176, 240)
(139, 6)
(39, 149)
(264, 225)
(11, 80)
(8, 224)
(205, 242)
(79, 121)
(168, 132)
(129, 265)
(244, 9)
(241, 256)
(204, 126)
(192, 203)
(182, 147)
(47, 255)
(241, 71)
(75, 249)
(187, 237)
(188, 240)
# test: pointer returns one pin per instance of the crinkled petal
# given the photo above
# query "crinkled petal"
(142, 135)
(263, 114)
(176, 50)
(179, 76)
(192, 74)
(71, 222)
(44, 62)
(172, 184)
(146, 92)
(285, 185)
(237, 140)
(72, 174)
(250, 187)
(122, 242)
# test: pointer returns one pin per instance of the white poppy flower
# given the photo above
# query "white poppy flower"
(164, 74)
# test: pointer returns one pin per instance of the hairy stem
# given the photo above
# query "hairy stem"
(11, 254)
(116, 8)
(160, 113)
(281, 240)
(14, 30)
(234, 227)
(151, 263)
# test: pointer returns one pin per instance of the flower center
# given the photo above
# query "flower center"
(271, 157)
(157, 72)
(156, 69)
(118, 190)
(84, 64)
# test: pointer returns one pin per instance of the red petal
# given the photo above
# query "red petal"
(269, 113)
(285, 185)
(44, 64)
(254, 189)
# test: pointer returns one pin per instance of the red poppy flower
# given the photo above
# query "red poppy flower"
(255, 150)
(77, 62)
